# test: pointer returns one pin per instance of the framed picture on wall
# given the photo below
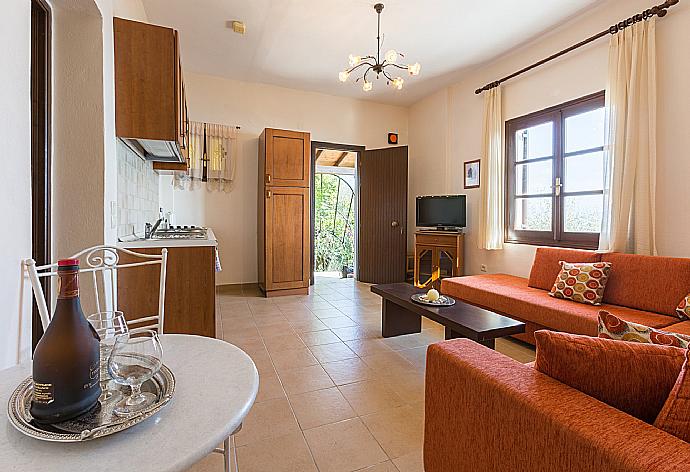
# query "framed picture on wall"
(472, 169)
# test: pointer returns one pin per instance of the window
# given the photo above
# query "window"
(555, 175)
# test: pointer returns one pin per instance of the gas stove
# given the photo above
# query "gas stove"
(181, 232)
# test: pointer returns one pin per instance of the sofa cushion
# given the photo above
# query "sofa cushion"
(510, 296)
(547, 264)
(675, 414)
(612, 327)
(581, 282)
(649, 283)
(680, 328)
(632, 377)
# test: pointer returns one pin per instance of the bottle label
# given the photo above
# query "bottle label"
(68, 284)
(43, 393)
(94, 377)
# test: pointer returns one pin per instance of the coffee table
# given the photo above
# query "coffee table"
(400, 315)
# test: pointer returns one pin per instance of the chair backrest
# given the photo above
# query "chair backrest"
(103, 264)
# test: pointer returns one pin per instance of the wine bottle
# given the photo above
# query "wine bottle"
(67, 358)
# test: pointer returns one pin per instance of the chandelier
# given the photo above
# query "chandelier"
(374, 65)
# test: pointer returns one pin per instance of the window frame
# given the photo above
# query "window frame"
(557, 236)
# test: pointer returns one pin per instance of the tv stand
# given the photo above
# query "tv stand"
(437, 254)
(444, 229)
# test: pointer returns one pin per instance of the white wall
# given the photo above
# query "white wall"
(15, 201)
(255, 107)
(576, 74)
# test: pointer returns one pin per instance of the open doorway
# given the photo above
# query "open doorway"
(334, 203)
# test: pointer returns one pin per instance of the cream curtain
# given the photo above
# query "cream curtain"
(628, 224)
(221, 156)
(491, 175)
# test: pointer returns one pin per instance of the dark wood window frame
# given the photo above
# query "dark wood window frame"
(557, 236)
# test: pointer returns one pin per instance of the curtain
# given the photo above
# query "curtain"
(491, 211)
(220, 158)
(628, 224)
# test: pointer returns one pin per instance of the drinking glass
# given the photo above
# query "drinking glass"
(108, 325)
(134, 360)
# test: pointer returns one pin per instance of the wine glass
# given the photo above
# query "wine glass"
(108, 325)
(134, 360)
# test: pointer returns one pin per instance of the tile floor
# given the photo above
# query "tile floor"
(334, 395)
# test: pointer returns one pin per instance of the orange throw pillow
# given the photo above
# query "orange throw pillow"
(631, 377)
(675, 415)
(582, 282)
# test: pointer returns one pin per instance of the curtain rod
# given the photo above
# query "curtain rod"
(658, 10)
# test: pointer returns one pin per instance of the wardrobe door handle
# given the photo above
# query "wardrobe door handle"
(268, 194)
(268, 178)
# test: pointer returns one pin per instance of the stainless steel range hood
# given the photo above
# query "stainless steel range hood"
(155, 150)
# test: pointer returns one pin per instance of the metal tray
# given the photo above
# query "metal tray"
(98, 422)
(443, 300)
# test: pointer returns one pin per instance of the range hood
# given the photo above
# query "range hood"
(155, 150)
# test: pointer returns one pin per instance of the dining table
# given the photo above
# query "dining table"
(215, 387)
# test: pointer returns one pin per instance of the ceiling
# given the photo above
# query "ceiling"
(333, 158)
(303, 44)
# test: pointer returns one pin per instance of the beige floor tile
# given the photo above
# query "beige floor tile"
(338, 322)
(321, 407)
(251, 346)
(410, 462)
(521, 352)
(326, 313)
(332, 352)
(387, 466)
(283, 342)
(370, 396)
(343, 447)
(263, 361)
(314, 338)
(348, 371)
(408, 385)
(292, 359)
(269, 388)
(288, 453)
(236, 323)
(211, 463)
(240, 334)
(368, 347)
(277, 329)
(399, 430)
(305, 379)
(388, 363)
(417, 356)
(266, 420)
(308, 325)
(352, 333)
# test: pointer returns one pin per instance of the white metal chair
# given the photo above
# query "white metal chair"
(102, 262)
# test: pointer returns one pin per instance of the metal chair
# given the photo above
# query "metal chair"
(102, 262)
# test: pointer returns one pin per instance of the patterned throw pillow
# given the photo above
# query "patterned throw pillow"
(683, 309)
(612, 327)
(582, 282)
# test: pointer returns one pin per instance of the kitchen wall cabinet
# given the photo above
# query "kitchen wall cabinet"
(150, 100)
(190, 289)
(284, 233)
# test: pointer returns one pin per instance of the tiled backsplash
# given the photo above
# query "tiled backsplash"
(137, 191)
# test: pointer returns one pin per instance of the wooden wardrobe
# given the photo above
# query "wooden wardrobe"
(284, 237)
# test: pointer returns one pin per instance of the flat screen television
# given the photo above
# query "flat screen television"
(441, 211)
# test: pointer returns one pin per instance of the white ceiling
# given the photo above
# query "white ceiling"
(303, 44)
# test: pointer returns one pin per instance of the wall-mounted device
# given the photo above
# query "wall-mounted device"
(392, 138)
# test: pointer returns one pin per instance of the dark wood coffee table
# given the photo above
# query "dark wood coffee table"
(400, 315)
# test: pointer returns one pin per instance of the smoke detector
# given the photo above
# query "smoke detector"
(237, 26)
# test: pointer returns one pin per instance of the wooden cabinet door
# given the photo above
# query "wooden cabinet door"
(288, 155)
(287, 237)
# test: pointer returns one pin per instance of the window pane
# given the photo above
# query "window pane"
(533, 214)
(534, 142)
(584, 131)
(535, 177)
(584, 172)
(582, 213)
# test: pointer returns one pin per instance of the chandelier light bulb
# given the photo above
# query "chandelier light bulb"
(343, 76)
(391, 56)
(397, 83)
(414, 68)
(367, 86)
(354, 60)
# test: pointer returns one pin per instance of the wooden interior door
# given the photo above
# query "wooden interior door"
(382, 239)
(287, 237)
(288, 158)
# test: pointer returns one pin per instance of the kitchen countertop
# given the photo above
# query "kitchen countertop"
(143, 243)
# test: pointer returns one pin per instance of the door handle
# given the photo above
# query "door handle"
(268, 194)
(395, 224)
(268, 178)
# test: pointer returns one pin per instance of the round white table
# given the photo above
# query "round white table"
(215, 386)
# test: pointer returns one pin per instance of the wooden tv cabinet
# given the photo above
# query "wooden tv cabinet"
(437, 254)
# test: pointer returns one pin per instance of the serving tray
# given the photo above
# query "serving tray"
(98, 422)
(443, 300)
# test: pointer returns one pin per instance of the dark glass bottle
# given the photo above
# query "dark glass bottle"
(66, 359)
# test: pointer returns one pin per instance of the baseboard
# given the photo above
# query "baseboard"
(235, 288)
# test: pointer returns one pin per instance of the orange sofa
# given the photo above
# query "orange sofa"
(641, 289)
(486, 412)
